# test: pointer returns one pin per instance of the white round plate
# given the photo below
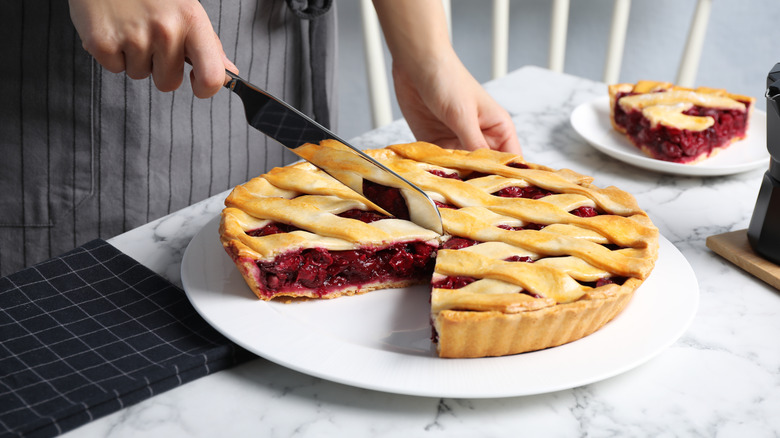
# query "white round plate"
(591, 120)
(381, 340)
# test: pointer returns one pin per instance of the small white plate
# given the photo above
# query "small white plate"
(591, 120)
(381, 340)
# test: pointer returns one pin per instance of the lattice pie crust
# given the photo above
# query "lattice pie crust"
(531, 257)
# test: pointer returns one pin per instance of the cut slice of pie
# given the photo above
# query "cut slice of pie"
(531, 257)
(297, 232)
(678, 124)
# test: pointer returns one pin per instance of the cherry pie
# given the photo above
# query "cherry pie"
(531, 257)
(678, 124)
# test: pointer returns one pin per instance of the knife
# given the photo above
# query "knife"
(352, 167)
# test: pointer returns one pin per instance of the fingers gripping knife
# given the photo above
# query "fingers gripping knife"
(764, 230)
(349, 165)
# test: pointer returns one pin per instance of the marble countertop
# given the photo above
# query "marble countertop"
(722, 377)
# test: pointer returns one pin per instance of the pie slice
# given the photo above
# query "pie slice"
(531, 257)
(297, 232)
(678, 124)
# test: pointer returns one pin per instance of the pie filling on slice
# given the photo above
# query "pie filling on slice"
(324, 273)
(678, 124)
(531, 257)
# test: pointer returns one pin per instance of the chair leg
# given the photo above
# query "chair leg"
(689, 64)
(560, 20)
(447, 4)
(378, 88)
(617, 39)
(500, 37)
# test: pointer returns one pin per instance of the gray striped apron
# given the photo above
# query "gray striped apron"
(88, 154)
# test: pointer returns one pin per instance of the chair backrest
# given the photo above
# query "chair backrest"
(379, 93)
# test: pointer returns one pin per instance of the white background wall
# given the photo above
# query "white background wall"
(742, 44)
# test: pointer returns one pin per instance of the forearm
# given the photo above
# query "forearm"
(440, 99)
(415, 31)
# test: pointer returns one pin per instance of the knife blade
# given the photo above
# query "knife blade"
(311, 141)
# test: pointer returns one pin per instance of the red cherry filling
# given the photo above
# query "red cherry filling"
(443, 174)
(458, 243)
(530, 192)
(327, 271)
(610, 280)
(272, 228)
(363, 215)
(474, 175)
(585, 212)
(682, 145)
(453, 282)
(443, 205)
(518, 165)
(535, 227)
(605, 281)
(389, 198)
(524, 259)
(468, 176)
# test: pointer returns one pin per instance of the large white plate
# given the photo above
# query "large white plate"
(381, 340)
(591, 120)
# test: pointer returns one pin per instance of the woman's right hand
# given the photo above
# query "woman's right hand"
(153, 37)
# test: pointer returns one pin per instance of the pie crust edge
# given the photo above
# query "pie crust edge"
(466, 334)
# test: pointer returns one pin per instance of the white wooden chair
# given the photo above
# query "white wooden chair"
(379, 91)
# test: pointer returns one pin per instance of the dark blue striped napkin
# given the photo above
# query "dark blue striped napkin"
(92, 331)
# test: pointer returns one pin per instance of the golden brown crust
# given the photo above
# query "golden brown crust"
(464, 334)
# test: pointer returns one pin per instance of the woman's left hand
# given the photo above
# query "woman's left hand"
(446, 106)
(440, 99)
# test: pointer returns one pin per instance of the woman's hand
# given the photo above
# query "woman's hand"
(153, 37)
(448, 107)
(440, 99)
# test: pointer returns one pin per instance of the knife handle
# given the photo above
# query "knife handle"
(229, 75)
(230, 79)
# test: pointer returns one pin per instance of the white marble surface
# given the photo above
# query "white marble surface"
(722, 378)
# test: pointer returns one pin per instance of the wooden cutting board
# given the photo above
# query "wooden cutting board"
(734, 247)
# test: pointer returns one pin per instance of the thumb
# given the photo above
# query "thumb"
(229, 64)
(204, 50)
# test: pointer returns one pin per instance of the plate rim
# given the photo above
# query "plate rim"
(634, 157)
(278, 350)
